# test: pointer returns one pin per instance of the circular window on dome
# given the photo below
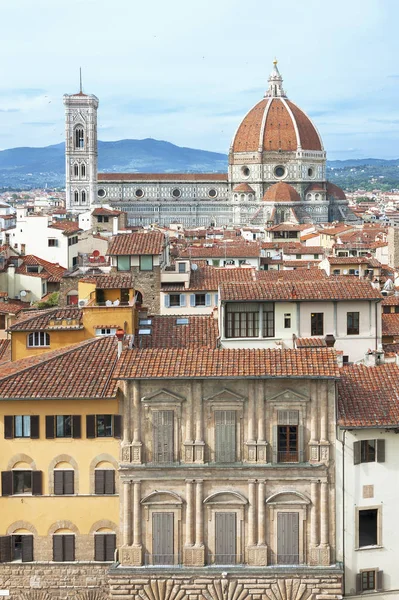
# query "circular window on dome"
(212, 193)
(310, 172)
(101, 193)
(279, 171)
(245, 171)
(176, 193)
(139, 193)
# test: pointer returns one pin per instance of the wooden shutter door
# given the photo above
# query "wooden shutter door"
(225, 436)
(58, 482)
(5, 548)
(117, 426)
(58, 549)
(90, 426)
(34, 427)
(69, 547)
(162, 539)
(380, 450)
(356, 453)
(50, 432)
(99, 481)
(76, 426)
(37, 483)
(287, 538)
(225, 538)
(110, 545)
(6, 483)
(109, 481)
(163, 436)
(99, 547)
(69, 481)
(27, 548)
(8, 427)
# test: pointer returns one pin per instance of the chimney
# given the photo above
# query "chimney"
(340, 359)
(120, 334)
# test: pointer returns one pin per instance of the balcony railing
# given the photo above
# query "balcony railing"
(162, 560)
(225, 559)
(286, 559)
(287, 456)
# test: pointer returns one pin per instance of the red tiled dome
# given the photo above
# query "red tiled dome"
(276, 124)
(335, 191)
(281, 192)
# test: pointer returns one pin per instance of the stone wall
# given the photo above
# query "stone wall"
(45, 581)
(280, 584)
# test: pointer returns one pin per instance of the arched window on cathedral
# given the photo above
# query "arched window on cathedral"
(79, 137)
(83, 196)
(83, 170)
(76, 197)
(76, 170)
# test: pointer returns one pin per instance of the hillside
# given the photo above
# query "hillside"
(23, 168)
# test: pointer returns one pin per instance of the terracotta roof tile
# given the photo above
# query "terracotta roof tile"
(138, 243)
(243, 187)
(221, 251)
(50, 271)
(281, 192)
(106, 212)
(334, 190)
(110, 282)
(390, 300)
(208, 278)
(5, 351)
(310, 343)
(390, 324)
(369, 396)
(297, 275)
(190, 363)
(12, 307)
(68, 227)
(80, 371)
(325, 289)
(200, 331)
(40, 320)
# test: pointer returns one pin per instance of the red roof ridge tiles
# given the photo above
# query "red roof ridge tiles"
(137, 243)
(172, 363)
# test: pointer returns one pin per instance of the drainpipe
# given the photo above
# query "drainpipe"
(343, 507)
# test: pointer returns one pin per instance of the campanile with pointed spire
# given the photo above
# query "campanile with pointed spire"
(80, 149)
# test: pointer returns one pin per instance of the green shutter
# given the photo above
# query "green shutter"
(225, 436)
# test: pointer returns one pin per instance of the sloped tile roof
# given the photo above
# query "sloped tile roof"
(325, 289)
(105, 212)
(221, 251)
(369, 396)
(190, 363)
(310, 274)
(110, 282)
(311, 343)
(41, 318)
(5, 351)
(200, 331)
(51, 271)
(208, 278)
(138, 243)
(67, 227)
(390, 324)
(281, 192)
(81, 371)
(12, 307)
(390, 300)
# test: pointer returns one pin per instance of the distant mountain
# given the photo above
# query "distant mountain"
(24, 168)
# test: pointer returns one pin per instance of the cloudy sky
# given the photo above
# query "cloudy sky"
(187, 71)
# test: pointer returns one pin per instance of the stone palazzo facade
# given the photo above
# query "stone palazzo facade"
(276, 144)
(227, 489)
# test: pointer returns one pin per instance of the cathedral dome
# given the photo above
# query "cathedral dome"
(281, 192)
(335, 191)
(243, 187)
(276, 124)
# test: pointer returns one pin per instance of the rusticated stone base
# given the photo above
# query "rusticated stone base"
(319, 555)
(257, 556)
(227, 584)
(58, 581)
(131, 556)
(194, 556)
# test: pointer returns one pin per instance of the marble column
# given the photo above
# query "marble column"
(251, 512)
(261, 514)
(314, 538)
(127, 513)
(199, 514)
(189, 512)
(137, 513)
(324, 520)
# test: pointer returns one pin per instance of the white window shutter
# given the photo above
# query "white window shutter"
(192, 299)
(167, 300)
(207, 299)
(216, 299)
(182, 300)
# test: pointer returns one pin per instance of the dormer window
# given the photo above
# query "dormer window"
(33, 269)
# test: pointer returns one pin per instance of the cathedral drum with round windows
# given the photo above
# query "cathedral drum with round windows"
(176, 193)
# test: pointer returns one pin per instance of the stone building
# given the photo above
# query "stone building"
(227, 474)
(276, 172)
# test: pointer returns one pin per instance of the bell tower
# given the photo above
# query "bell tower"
(80, 150)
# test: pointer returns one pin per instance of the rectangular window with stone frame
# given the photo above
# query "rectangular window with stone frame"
(369, 580)
(288, 438)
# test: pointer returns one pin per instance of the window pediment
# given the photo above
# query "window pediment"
(162, 397)
(288, 497)
(289, 396)
(225, 395)
(162, 497)
(226, 497)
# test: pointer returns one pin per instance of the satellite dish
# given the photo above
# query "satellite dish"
(22, 293)
(345, 271)
(194, 267)
(96, 253)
